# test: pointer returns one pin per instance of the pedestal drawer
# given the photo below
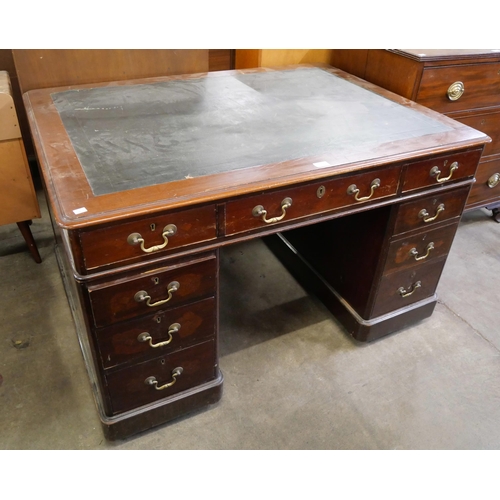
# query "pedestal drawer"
(424, 212)
(159, 333)
(154, 290)
(422, 247)
(162, 377)
(403, 288)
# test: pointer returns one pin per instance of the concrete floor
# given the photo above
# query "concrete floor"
(293, 378)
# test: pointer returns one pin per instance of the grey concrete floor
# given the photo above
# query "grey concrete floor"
(293, 378)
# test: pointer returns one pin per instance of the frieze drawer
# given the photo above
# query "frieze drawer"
(162, 377)
(159, 333)
(148, 237)
(154, 290)
(263, 210)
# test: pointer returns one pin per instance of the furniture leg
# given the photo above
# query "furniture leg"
(24, 227)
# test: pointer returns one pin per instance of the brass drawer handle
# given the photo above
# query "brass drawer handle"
(494, 180)
(435, 172)
(259, 211)
(405, 293)
(176, 372)
(145, 336)
(142, 296)
(423, 214)
(455, 91)
(414, 252)
(136, 239)
(353, 190)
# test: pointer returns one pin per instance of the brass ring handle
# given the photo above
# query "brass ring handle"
(136, 239)
(494, 180)
(414, 252)
(176, 372)
(145, 336)
(455, 91)
(405, 293)
(423, 214)
(435, 172)
(353, 190)
(259, 211)
(142, 296)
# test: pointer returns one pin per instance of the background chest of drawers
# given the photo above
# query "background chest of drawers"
(462, 84)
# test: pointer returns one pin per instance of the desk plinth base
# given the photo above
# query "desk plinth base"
(360, 329)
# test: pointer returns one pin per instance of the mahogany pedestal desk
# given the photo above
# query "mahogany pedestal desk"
(358, 190)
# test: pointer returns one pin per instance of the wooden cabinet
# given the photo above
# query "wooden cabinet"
(18, 202)
(463, 84)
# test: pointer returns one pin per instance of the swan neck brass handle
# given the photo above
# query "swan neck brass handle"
(259, 211)
(424, 215)
(143, 296)
(176, 372)
(411, 291)
(455, 91)
(353, 190)
(494, 180)
(435, 172)
(414, 252)
(146, 337)
(136, 239)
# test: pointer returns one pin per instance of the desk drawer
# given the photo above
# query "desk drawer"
(161, 233)
(130, 388)
(487, 185)
(405, 287)
(421, 248)
(294, 203)
(168, 331)
(481, 83)
(155, 290)
(434, 172)
(425, 212)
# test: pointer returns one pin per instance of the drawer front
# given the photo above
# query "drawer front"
(421, 248)
(487, 185)
(425, 212)
(147, 237)
(489, 124)
(291, 204)
(406, 287)
(441, 170)
(159, 333)
(132, 387)
(481, 84)
(155, 290)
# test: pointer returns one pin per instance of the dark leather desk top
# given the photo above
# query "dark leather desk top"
(113, 149)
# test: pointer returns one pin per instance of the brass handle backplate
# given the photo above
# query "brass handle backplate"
(176, 372)
(455, 91)
(259, 211)
(411, 291)
(143, 296)
(424, 215)
(414, 252)
(137, 239)
(353, 190)
(494, 180)
(145, 336)
(435, 172)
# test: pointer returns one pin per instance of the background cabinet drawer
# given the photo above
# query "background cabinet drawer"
(439, 207)
(403, 288)
(128, 388)
(486, 187)
(488, 123)
(311, 199)
(417, 249)
(423, 173)
(124, 299)
(481, 87)
(169, 331)
(112, 244)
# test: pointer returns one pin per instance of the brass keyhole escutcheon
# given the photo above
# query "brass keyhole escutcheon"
(321, 192)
